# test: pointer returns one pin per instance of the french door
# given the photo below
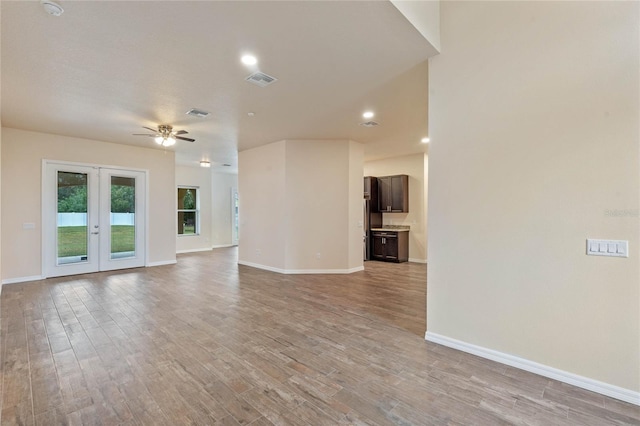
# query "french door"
(93, 219)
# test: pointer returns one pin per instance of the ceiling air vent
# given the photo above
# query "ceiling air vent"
(261, 79)
(197, 113)
(369, 124)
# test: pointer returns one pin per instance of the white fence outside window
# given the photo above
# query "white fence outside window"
(80, 219)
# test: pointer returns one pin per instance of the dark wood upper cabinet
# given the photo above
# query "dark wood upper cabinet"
(384, 194)
(393, 194)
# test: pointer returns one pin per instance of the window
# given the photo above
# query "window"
(235, 222)
(188, 211)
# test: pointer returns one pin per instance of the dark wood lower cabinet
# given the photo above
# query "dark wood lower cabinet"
(390, 246)
(378, 249)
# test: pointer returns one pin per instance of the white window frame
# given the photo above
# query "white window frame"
(196, 210)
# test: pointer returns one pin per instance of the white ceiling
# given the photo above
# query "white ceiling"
(104, 69)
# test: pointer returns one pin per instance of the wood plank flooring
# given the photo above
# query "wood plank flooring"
(209, 342)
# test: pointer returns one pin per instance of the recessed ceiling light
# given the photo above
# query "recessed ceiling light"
(204, 163)
(249, 60)
(368, 114)
(425, 140)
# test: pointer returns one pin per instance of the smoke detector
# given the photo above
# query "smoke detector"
(261, 79)
(369, 124)
(52, 8)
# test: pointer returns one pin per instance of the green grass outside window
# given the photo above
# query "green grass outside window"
(72, 240)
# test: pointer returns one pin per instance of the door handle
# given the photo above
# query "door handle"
(95, 233)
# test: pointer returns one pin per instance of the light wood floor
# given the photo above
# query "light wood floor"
(208, 342)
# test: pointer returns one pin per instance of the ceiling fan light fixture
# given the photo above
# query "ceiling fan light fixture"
(165, 135)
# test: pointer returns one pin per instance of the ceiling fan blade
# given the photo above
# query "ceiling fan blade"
(180, 132)
(185, 139)
(144, 134)
(149, 128)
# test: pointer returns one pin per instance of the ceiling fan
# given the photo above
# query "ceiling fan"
(165, 135)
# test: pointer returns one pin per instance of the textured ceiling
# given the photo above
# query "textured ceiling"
(104, 69)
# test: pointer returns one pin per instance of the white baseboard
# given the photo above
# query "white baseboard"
(414, 260)
(324, 271)
(205, 249)
(301, 271)
(161, 263)
(22, 279)
(613, 391)
(223, 246)
(40, 277)
(259, 266)
(193, 250)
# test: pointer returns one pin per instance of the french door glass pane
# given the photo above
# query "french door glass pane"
(72, 218)
(123, 217)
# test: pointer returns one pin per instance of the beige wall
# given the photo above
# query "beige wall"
(201, 178)
(261, 201)
(296, 200)
(425, 198)
(222, 183)
(22, 155)
(534, 125)
(0, 208)
(413, 165)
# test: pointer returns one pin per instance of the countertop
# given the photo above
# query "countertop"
(392, 228)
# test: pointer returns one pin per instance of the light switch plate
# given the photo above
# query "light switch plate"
(616, 248)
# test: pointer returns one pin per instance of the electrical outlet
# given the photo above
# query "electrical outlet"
(258, 252)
